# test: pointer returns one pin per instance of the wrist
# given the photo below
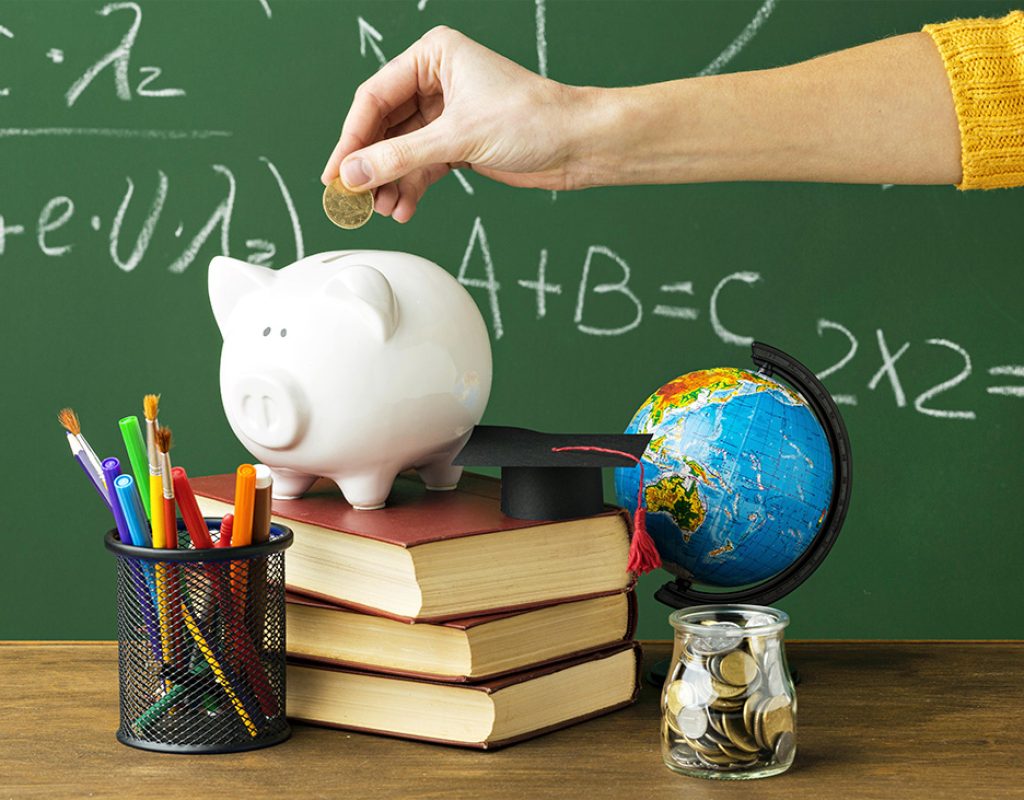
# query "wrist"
(636, 135)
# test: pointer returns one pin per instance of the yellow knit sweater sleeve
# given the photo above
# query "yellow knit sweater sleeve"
(985, 62)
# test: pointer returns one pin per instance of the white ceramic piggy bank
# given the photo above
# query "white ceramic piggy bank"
(352, 365)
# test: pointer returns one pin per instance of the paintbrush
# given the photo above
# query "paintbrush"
(150, 407)
(163, 439)
(83, 453)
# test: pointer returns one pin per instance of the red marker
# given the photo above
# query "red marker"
(226, 525)
(194, 521)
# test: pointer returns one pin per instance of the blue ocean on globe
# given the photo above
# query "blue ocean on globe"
(737, 477)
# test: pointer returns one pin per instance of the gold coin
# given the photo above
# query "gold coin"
(738, 735)
(776, 718)
(347, 209)
(726, 690)
(727, 704)
(719, 759)
(701, 746)
(750, 710)
(678, 695)
(737, 755)
(737, 668)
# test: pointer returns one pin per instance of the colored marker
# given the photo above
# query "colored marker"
(245, 498)
(131, 507)
(261, 504)
(136, 447)
(155, 711)
(194, 522)
(226, 524)
(111, 470)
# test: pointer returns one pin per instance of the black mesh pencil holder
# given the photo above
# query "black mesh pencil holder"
(201, 644)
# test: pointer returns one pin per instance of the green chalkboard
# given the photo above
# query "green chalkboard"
(138, 141)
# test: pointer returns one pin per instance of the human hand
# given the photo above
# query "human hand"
(448, 103)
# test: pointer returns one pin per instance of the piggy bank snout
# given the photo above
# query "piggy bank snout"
(269, 408)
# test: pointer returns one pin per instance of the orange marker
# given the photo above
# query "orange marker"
(245, 499)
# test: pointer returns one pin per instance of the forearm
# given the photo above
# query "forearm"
(879, 113)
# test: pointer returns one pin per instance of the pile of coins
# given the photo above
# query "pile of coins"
(729, 704)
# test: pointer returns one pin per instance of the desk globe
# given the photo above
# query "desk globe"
(746, 479)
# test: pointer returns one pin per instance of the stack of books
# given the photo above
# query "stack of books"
(439, 618)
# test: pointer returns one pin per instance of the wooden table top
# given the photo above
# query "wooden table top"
(876, 719)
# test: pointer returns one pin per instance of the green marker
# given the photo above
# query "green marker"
(136, 447)
(155, 711)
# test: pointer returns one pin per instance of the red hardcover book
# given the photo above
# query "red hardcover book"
(470, 649)
(438, 555)
(486, 715)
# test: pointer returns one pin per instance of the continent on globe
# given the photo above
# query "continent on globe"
(678, 497)
(737, 477)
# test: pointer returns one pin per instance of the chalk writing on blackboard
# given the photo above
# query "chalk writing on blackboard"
(6, 33)
(118, 60)
(827, 324)
(1013, 370)
(742, 40)
(619, 287)
(677, 312)
(888, 369)
(541, 286)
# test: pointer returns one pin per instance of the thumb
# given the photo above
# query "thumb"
(391, 159)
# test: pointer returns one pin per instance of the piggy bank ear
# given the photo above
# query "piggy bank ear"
(230, 280)
(369, 292)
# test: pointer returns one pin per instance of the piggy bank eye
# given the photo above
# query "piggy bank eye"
(284, 332)
(266, 331)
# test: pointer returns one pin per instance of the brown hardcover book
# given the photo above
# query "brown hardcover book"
(471, 649)
(438, 555)
(484, 715)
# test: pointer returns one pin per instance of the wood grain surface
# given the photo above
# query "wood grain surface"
(876, 720)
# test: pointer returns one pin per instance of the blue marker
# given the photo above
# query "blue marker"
(111, 470)
(131, 507)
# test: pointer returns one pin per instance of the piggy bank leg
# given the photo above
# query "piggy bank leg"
(440, 476)
(289, 484)
(368, 491)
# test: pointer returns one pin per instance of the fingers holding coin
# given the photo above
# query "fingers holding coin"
(345, 208)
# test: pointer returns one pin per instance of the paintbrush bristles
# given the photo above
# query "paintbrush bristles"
(69, 419)
(150, 406)
(163, 439)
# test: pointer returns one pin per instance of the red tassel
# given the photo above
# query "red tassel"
(643, 554)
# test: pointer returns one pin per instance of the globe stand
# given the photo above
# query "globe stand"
(680, 593)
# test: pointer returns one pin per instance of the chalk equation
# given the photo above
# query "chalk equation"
(52, 230)
(606, 272)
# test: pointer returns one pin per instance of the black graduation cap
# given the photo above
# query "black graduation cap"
(539, 483)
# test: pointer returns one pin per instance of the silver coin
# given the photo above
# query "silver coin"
(785, 747)
(692, 722)
(701, 691)
(714, 642)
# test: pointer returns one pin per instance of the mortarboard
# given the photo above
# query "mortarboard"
(537, 482)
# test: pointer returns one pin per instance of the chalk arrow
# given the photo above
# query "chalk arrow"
(369, 35)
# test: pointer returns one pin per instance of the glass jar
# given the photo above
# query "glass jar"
(728, 705)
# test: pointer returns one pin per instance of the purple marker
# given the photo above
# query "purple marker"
(111, 469)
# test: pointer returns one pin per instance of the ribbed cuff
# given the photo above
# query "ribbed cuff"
(984, 59)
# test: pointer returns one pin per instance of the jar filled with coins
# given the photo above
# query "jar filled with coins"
(728, 706)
